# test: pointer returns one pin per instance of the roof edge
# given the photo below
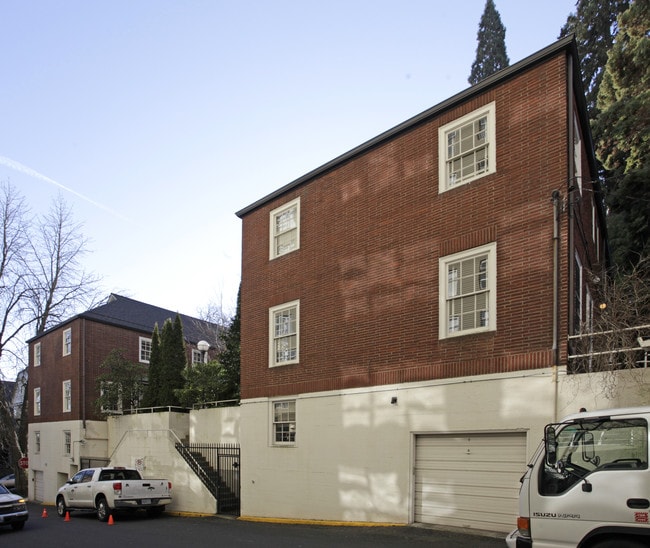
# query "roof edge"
(562, 44)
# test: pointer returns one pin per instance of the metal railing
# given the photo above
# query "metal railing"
(217, 465)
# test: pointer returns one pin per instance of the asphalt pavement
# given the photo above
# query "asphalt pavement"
(169, 530)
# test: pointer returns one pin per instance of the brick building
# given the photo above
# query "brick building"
(405, 307)
(66, 430)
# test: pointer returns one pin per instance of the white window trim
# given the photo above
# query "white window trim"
(197, 356)
(67, 443)
(37, 354)
(593, 219)
(488, 110)
(272, 215)
(37, 441)
(272, 311)
(589, 312)
(578, 290)
(140, 341)
(273, 440)
(67, 399)
(67, 351)
(37, 401)
(577, 153)
(491, 251)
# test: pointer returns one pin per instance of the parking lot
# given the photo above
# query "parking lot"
(84, 529)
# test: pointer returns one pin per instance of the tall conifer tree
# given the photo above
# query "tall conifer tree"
(174, 361)
(622, 134)
(230, 356)
(491, 53)
(594, 25)
(152, 391)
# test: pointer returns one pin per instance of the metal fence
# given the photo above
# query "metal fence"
(218, 467)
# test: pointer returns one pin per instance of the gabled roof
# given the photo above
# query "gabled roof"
(566, 45)
(138, 316)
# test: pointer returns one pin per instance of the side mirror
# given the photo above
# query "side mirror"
(550, 443)
(588, 451)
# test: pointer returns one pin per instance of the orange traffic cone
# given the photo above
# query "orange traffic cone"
(44, 514)
(110, 520)
(67, 516)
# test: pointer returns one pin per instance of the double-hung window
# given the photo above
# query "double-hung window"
(577, 154)
(67, 442)
(145, 350)
(37, 401)
(37, 354)
(577, 294)
(285, 229)
(284, 422)
(468, 292)
(197, 357)
(67, 396)
(284, 336)
(67, 342)
(466, 148)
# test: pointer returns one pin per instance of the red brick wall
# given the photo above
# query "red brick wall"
(372, 231)
(55, 368)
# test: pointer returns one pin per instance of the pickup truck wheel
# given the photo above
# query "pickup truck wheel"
(103, 511)
(60, 506)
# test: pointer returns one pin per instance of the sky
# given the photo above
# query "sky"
(157, 120)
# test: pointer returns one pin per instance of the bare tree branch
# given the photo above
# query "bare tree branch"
(615, 339)
(59, 284)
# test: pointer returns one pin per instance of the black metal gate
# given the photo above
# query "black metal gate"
(228, 472)
(217, 464)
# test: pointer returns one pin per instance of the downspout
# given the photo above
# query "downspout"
(83, 374)
(570, 190)
(570, 220)
(556, 199)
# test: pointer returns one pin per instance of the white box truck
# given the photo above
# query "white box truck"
(588, 484)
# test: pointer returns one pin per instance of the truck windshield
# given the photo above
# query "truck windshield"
(589, 446)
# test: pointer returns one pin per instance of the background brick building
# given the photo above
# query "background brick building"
(66, 430)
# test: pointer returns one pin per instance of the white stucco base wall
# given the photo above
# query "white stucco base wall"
(51, 465)
(353, 456)
(215, 425)
(147, 442)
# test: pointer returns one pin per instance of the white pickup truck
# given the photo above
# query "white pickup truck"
(588, 484)
(106, 490)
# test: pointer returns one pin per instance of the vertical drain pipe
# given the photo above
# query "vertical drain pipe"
(556, 199)
(556, 276)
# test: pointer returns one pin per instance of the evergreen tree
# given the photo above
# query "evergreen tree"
(594, 25)
(230, 356)
(174, 361)
(491, 53)
(622, 134)
(152, 392)
(204, 382)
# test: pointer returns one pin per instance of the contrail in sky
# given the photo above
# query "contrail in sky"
(33, 173)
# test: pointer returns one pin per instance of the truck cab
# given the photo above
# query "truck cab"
(588, 484)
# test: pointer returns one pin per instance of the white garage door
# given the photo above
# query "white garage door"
(469, 480)
(38, 486)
